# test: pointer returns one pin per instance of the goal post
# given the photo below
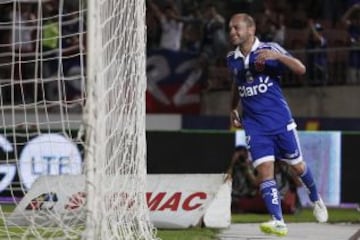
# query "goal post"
(72, 99)
(116, 94)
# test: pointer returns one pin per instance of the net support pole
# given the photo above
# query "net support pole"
(91, 70)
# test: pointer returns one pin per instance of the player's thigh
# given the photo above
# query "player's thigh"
(261, 149)
(288, 147)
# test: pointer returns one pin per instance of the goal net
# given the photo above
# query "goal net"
(72, 95)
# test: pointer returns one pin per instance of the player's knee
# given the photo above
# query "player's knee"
(265, 171)
(299, 168)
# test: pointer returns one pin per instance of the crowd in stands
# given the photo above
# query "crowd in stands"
(323, 34)
(34, 37)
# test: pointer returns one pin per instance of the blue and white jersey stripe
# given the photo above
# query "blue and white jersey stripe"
(274, 46)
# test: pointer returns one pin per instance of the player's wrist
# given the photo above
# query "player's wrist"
(235, 118)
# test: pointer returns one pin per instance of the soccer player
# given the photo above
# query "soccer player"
(271, 134)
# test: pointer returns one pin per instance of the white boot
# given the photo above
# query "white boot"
(320, 212)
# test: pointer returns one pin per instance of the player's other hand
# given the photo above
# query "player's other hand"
(265, 54)
(228, 177)
(235, 119)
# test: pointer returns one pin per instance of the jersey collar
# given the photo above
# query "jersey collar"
(238, 53)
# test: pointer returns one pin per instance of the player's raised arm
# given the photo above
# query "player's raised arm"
(294, 64)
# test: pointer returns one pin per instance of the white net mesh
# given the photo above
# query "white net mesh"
(46, 98)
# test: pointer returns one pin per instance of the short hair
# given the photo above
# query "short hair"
(250, 22)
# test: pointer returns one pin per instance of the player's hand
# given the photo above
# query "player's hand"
(228, 178)
(266, 54)
(235, 119)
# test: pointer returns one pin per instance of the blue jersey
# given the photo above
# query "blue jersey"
(265, 110)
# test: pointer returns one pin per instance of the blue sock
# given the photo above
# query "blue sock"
(309, 182)
(271, 198)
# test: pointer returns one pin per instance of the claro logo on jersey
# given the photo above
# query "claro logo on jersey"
(249, 91)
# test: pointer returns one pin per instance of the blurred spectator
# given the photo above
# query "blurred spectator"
(72, 68)
(297, 15)
(214, 41)
(192, 34)
(244, 183)
(171, 28)
(330, 10)
(22, 20)
(73, 43)
(351, 19)
(270, 23)
(245, 186)
(153, 30)
(50, 40)
(350, 3)
(317, 62)
(214, 46)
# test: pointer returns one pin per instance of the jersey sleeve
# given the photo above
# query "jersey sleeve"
(276, 47)
(275, 67)
(230, 61)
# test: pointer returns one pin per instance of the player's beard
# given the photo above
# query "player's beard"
(242, 40)
(246, 40)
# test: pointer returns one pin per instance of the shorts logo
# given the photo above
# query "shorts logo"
(292, 155)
